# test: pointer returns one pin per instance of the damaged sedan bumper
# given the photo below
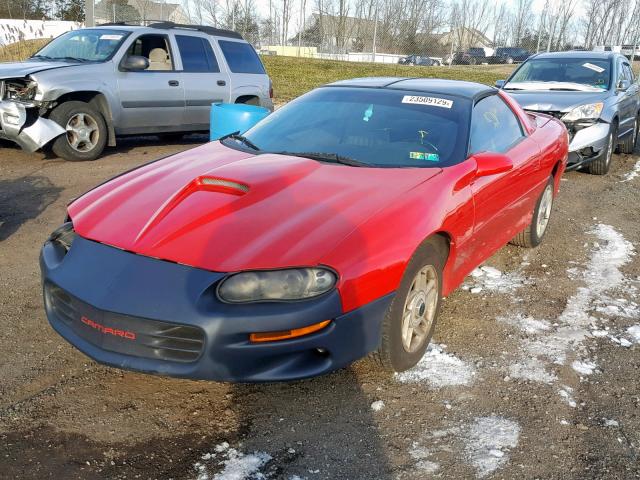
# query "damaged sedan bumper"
(21, 124)
(587, 143)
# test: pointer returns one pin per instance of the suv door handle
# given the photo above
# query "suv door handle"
(174, 83)
(222, 83)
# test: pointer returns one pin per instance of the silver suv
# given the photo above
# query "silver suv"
(89, 86)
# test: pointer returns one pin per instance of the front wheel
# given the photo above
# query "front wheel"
(629, 143)
(410, 321)
(601, 165)
(532, 235)
(86, 132)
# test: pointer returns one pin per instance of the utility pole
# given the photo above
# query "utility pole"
(375, 34)
(89, 16)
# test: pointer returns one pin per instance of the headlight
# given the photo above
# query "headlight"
(63, 236)
(583, 112)
(276, 285)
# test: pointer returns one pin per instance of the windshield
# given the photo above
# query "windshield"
(590, 72)
(370, 126)
(89, 45)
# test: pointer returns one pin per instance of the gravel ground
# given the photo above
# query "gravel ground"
(534, 373)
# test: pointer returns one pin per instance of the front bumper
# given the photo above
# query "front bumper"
(21, 124)
(139, 313)
(587, 144)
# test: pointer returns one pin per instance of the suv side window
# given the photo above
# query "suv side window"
(156, 49)
(241, 57)
(494, 126)
(197, 54)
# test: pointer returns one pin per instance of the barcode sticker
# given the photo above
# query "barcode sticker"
(433, 101)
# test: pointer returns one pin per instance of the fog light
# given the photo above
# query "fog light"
(287, 334)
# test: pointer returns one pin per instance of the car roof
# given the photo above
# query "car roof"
(577, 54)
(459, 88)
(181, 28)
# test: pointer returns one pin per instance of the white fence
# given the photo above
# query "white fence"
(12, 31)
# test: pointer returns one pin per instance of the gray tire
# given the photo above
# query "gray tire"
(629, 143)
(533, 234)
(86, 135)
(601, 165)
(411, 318)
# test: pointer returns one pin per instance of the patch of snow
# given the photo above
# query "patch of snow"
(487, 442)
(625, 343)
(566, 393)
(439, 369)
(531, 369)
(583, 368)
(633, 173)
(490, 278)
(634, 331)
(525, 323)
(231, 464)
(610, 423)
(377, 405)
(421, 455)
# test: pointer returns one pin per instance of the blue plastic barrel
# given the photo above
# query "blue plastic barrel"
(227, 118)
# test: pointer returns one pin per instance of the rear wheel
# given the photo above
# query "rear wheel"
(86, 132)
(600, 166)
(410, 321)
(532, 235)
(629, 143)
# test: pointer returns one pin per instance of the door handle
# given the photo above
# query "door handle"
(174, 83)
(222, 83)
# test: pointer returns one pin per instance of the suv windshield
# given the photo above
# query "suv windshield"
(370, 127)
(592, 73)
(89, 45)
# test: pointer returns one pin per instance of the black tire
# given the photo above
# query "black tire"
(392, 355)
(171, 137)
(85, 150)
(436, 64)
(629, 143)
(530, 237)
(472, 61)
(601, 165)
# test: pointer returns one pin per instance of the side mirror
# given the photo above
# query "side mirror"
(491, 163)
(500, 83)
(623, 85)
(134, 63)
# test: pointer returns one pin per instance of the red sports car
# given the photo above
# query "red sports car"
(330, 230)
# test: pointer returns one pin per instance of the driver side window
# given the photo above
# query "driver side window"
(494, 126)
(156, 49)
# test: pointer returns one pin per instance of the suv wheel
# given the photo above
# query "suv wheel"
(629, 142)
(509, 60)
(86, 134)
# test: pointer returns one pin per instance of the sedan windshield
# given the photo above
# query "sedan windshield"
(576, 73)
(88, 45)
(367, 127)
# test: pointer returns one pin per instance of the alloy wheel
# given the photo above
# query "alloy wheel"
(419, 309)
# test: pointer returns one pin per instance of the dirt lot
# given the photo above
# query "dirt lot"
(534, 374)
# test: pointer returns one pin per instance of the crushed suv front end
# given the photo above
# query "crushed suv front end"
(21, 119)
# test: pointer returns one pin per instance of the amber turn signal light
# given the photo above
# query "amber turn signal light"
(287, 334)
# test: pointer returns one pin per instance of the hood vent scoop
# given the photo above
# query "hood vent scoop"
(222, 185)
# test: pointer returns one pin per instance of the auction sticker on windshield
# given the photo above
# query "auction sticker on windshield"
(593, 67)
(433, 101)
(110, 37)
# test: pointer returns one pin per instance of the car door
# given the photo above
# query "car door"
(627, 103)
(204, 82)
(504, 201)
(152, 100)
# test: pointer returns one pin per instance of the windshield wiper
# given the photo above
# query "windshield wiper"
(327, 157)
(565, 89)
(242, 139)
(45, 57)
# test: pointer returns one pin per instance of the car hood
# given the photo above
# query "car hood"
(22, 69)
(550, 101)
(224, 210)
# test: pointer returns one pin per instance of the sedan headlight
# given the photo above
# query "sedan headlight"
(276, 285)
(590, 111)
(63, 236)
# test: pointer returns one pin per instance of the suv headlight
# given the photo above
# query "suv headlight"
(590, 111)
(276, 285)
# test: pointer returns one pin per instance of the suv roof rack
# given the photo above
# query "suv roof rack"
(218, 32)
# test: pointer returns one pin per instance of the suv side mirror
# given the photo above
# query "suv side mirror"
(134, 63)
(500, 83)
(491, 163)
(623, 85)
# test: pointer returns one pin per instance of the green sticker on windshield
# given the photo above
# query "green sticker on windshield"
(429, 157)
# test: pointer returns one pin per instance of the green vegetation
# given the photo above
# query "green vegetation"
(294, 76)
